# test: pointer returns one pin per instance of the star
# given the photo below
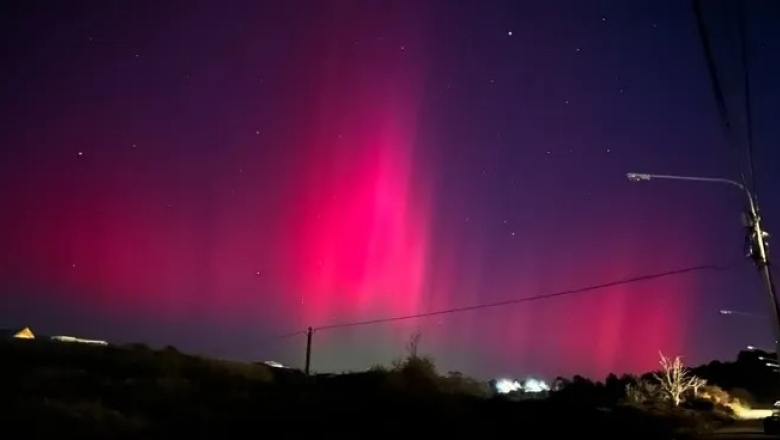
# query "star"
(509, 33)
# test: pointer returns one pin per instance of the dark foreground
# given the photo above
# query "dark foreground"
(739, 431)
(69, 390)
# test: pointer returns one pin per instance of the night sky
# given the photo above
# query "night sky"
(210, 175)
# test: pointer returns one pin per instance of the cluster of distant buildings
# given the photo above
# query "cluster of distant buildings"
(26, 333)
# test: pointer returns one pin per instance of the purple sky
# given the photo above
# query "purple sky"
(213, 174)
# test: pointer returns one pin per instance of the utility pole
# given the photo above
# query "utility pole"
(756, 239)
(757, 251)
(309, 333)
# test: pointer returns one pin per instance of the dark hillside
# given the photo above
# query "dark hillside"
(81, 391)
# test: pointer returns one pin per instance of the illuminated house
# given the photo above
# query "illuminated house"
(24, 333)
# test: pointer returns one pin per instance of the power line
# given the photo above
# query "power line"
(309, 332)
(743, 34)
(286, 336)
(591, 288)
(717, 90)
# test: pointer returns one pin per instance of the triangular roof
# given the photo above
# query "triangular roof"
(24, 333)
(15, 333)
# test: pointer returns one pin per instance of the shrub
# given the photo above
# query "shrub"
(643, 391)
(743, 396)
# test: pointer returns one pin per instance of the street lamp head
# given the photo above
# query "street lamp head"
(638, 177)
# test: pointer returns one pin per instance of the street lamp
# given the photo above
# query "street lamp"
(644, 177)
(741, 313)
(757, 237)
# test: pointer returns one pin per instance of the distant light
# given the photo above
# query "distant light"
(530, 385)
(274, 364)
(72, 339)
(504, 386)
(535, 386)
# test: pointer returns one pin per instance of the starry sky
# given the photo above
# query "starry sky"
(213, 175)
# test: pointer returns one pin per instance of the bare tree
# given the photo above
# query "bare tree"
(675, 380)
(412, 347)
(697, 384)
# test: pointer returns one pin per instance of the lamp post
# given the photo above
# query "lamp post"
(757, 237)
